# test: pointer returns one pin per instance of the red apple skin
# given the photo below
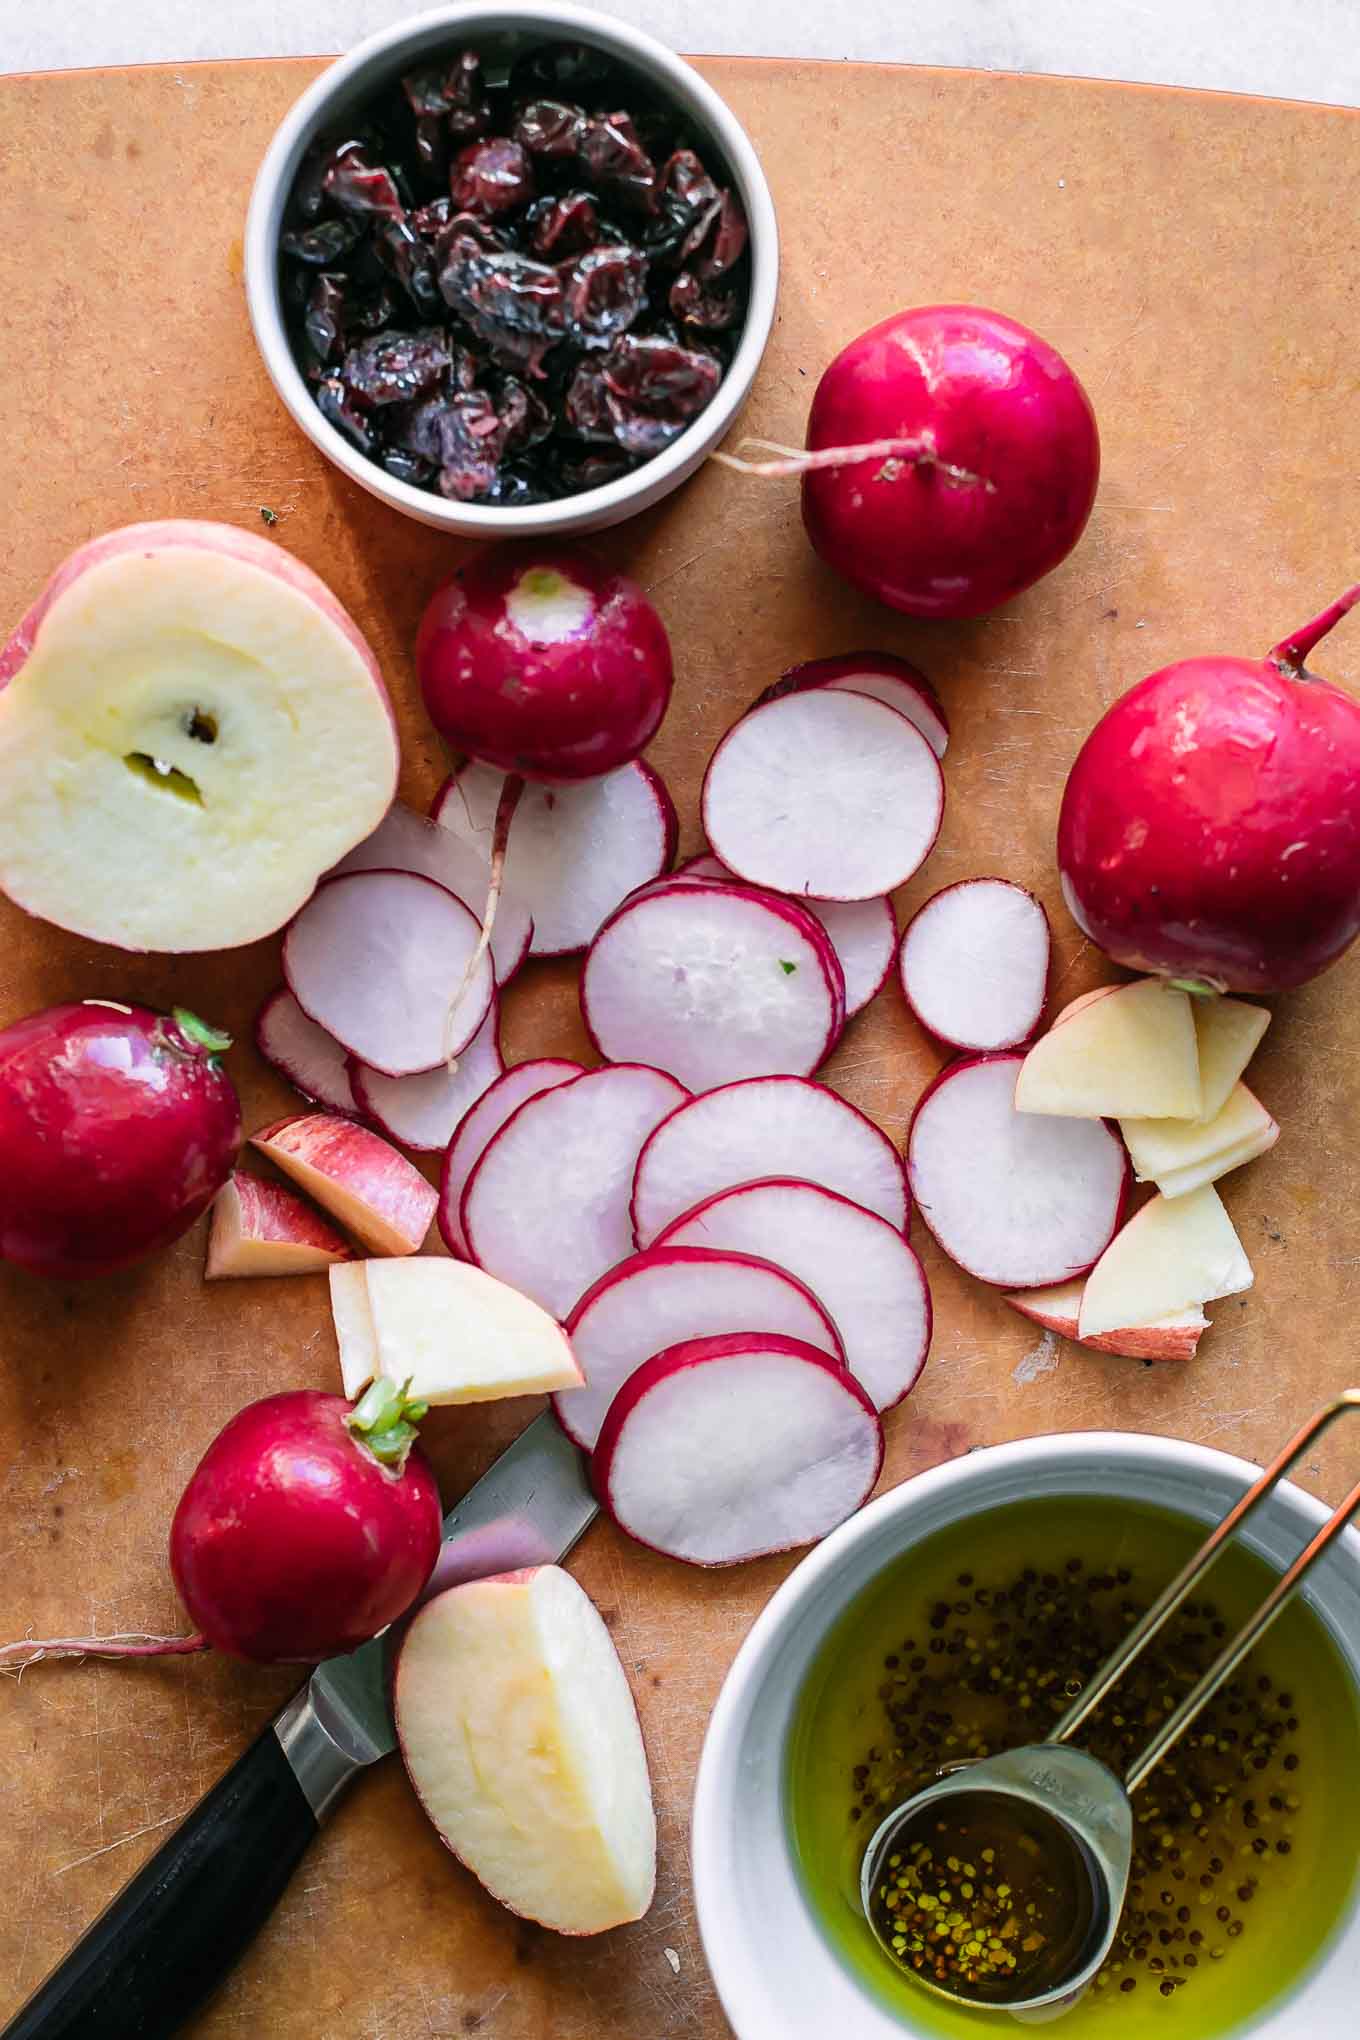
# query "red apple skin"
(566, 708)
(116, 1130)
(1210, 827)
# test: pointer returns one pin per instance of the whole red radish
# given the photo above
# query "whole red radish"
(1210, 827)
(988, 474)
(118, 1126)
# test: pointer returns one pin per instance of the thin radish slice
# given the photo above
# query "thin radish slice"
(421, 1112)
(856, 1264)
(863, 932)
(575, 851)
(480, 1123)
(714, 983)
(546, 1206)
(829, 794)
(376, 957)
(665, 1294)
(406, 841)
(1021, 1199)
(722, 1450)
(974, 964)
(878, 674)
(312, 1060)
(768, 1126)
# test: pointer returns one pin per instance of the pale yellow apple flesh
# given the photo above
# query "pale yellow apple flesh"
(354, 1333)
(375, 1192)
(1129, 1054)
(1179, 1182)
(1180, 1154)
(260, 1228)
(1228, 1033)
(457, 1334)
(1058, 1309)
(1173, 1255)
(519, 1734)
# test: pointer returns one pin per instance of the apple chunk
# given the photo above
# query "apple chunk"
(192, 730)
(1175, 1253)
(1179, 1155)
(1228, 1033)
(374, 1192)
(260, 1228)
(455, 1333)
(1129, 1054)
(519, 1734)
(1173, 1337)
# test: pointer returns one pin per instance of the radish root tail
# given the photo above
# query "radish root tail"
(1289, 655)
(133, 1643)
(500, 839)
(894, 453)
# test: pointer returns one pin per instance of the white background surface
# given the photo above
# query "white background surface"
(1305, 49)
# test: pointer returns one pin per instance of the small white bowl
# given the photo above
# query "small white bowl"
(775, 1971)
(384, 57)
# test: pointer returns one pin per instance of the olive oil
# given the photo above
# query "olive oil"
(1245, 1848)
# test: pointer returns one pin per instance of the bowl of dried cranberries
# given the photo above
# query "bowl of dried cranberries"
(512, 269)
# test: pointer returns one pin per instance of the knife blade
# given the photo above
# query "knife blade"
(171, 1935)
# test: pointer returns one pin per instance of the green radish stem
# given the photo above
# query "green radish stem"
(198, 1033)
(384, 1420)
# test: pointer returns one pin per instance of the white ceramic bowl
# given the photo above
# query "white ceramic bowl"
(376, 62)
(775, 1972)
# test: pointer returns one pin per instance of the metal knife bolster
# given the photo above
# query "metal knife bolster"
(321, 1765)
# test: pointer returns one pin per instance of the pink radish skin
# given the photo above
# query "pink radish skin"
(311, 1060)
(880, 675)
(1018, 1199)
(407, 841)
(575, 851)
(974, 964)
(714, 983)
(857, 1266)
(767, 1126)
(722, 1450)
(421, 1112)
(375, 957)
(546, 1207)
(823, 793)
(665, 1294)
(478, 1126)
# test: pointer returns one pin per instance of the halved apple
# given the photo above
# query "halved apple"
(1174, 1254)
(1228, 1033)
(192, 730)
(457, 1334)
(1058, 1309)
(1179, 1155)
(354, 1332)
(519, 1734)
(355, 1175)
(1129, 1052)
(260, 1228)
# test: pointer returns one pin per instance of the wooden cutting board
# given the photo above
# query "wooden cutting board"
(1188, 254)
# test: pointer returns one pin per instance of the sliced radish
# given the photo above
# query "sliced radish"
(720, 1450)
(974, 964)
(312, 1060)
(824, 793)
(575, 851)
(665, 1294)
(406, 841)
(546, 1206)
(377, 958)
(856, 1265)
(1017, 1198)
(714, 983)
(422, 1111)
(484, 1119)
(880, 675)
(768, 1126)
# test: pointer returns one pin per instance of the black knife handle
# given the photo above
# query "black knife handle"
(172, 1934)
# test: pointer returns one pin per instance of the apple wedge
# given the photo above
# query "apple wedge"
(450, 1330)
(192, 730)
(520, 1737)
(1173, 1337)
(1179, 1155)
(1129, 1054)
(1228, 1033)
(1175, 1253)
(354, 1175)
(260, 1228)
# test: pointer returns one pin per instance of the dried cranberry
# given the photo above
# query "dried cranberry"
(512, 304)
(564, 67)
(586, 404)
(401, 251)
(307, 196)
(394, 368)
(516, 489)
(430, 220)
(613, 157)
(593, 472)
(711, 311)
(548, 127)
(467, 227)
(653, 389)
(445, 88)
(370, 314)
(471, 439)
(415, 427)
(606, 290)
(360, 187)
(407, 467)
(432, 143)
(324, 318)
(558, 227)
(524, 415)
(335, 403)
(492, 177)
(323, 246)
(723, 241)
(686, 179)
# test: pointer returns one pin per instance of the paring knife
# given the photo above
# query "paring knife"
(172, 1934)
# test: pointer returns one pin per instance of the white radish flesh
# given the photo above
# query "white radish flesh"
(575, 851)
(665, 1294)
(884, 678)
(829, 794)
(769, 1126)
(1019, 1199)
(312, 1060)
(856, 1265)
(974, 964)
(863, 933)
(377, 957)
(406, 841)
(723, 1450)
(421, 1112)
(714, 983)
(484, 1119)
(546, 1207)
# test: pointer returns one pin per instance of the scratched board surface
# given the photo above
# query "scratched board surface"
(1182, 251)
